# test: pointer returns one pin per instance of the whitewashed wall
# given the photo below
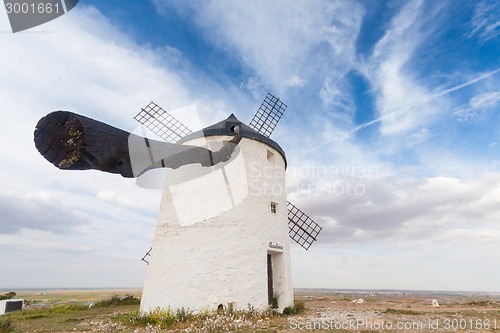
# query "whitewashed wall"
(215, 229)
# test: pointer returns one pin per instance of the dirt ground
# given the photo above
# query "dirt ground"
(397, 312)
(325, 311)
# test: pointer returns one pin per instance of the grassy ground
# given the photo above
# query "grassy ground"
(68, 311)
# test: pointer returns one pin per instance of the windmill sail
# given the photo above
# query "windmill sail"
(268, 115)
(148, 254)
(162, 123)
(301, 228)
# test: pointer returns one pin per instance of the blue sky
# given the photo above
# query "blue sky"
(396, 99)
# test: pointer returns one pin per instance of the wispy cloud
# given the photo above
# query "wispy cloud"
(393, 81)
(482, 100)
(478, 104)
(485, 23)
(283, 45)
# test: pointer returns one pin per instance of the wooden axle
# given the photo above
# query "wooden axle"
(74, 142)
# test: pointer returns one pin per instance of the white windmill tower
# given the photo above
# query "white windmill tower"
(222, 236)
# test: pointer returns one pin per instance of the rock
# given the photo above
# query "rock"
(435, 303)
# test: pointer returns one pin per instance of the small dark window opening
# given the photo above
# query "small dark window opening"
(274, 206)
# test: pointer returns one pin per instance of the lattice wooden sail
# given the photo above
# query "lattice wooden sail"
(268, 115)
(162, 123)
(301, 228)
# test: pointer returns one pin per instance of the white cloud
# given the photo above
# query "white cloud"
(41, 211)
(283, 45)
(361, 205)
(419, 232)
(478, 104)
(117, 199)
(485, 23)
(402, 101)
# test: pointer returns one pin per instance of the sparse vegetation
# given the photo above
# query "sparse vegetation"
(161, 318)
(58, 312)
(117, 301)
(403, 312)
(483, 302)
(224, 320)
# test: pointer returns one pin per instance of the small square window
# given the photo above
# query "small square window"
(274, 206)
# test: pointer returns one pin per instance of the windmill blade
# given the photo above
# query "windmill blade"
(301, 228)
(162, 123)
(268, 115)
(148, 254)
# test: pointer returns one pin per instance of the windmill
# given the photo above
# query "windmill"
(301, 228)
(222, 237)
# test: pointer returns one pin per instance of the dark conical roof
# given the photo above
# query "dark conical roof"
(225, 128)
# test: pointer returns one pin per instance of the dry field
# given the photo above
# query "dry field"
(397, 312)
(74, 296)
(325, 311)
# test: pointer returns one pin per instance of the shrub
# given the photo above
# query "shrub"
(130, 300)
(8, 295)
(274, 302)
(298, 307)
(116, 301)
(183, 315)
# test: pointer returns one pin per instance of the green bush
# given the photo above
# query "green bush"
(130, 300)
(8, 295)
(274, 302)
(116, 301)
(298, 307)
(183, 315)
